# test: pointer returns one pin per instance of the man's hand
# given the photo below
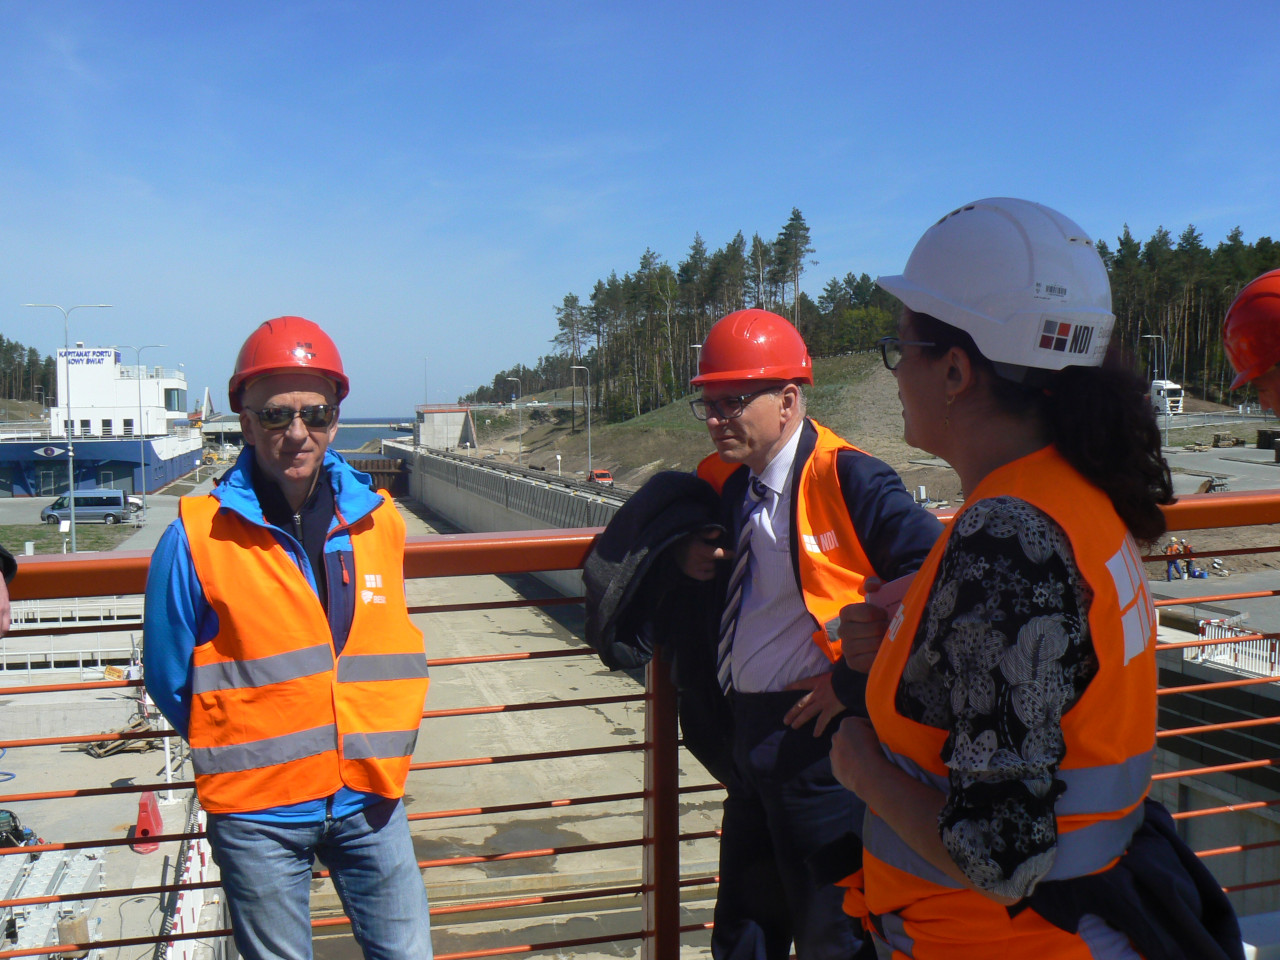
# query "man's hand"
(856, 755)
(821, 702)
(698, 554)
(4, 607)
(862, 629)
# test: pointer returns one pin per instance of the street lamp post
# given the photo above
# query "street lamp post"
(588, 375)
(1165, 375)
(142, 449)
(519, 424)
(71, 445)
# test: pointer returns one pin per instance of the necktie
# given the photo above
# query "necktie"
(737, 579)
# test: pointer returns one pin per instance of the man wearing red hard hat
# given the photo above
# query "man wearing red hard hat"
(278, 643)
(795, 521)
(1251, 335)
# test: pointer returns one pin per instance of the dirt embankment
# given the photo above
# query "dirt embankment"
(854, 396)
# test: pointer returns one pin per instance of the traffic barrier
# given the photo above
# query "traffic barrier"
(150, 823)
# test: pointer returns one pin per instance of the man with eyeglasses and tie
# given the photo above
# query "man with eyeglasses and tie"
(278, 643)
(804, 520)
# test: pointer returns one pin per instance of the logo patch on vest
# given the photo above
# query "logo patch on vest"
(1137, 613)
(821, 543)
(372, 582)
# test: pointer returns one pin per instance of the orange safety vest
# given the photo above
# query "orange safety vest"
(833, 564)
(276, 719)
(1109, 734)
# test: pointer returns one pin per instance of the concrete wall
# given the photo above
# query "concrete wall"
(445, 429)
(1253, 785)
(479, 499)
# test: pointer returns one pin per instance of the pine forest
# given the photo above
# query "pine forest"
(638, 334)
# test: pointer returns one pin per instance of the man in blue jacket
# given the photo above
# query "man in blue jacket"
(278, 643)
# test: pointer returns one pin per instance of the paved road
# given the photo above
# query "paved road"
(1246, 468)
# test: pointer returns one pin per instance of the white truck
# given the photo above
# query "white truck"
(1166, 396)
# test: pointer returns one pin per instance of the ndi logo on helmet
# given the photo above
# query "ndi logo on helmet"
(304, 351)
(1064, 337)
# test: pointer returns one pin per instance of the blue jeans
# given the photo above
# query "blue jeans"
(266, 873)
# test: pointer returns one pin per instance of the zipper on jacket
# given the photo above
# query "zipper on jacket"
(342, 562)
(297, 527)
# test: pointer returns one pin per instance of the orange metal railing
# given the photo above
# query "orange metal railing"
(660, 841)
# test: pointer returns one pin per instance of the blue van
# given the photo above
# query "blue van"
(107, 506)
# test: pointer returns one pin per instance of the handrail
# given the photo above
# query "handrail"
(470, 554)
(477, 554)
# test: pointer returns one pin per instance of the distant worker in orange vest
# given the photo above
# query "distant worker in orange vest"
(278, 643)
(1189, 565)
(1012, 699)
(1173, 570)
(1251, 335)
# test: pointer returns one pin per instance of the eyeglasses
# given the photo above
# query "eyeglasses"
(726, 408)
(891, 349)
(314, 416)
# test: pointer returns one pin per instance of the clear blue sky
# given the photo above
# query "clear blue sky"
(428, 180)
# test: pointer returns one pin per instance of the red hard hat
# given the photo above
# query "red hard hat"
(753, 345)
(287, 345)
(1251, 333)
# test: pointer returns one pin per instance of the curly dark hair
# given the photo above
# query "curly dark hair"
(1099, 418)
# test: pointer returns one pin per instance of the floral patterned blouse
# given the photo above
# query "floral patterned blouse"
(1002, 651)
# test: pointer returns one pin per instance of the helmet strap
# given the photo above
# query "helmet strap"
(1027, 376)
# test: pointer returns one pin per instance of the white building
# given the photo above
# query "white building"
(111, 400)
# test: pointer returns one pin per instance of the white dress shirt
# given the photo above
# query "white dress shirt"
(773, 642)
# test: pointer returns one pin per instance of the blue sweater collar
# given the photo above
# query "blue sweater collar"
(353, 492)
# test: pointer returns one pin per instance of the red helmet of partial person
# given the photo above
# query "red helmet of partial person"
(1251, 333)
(287, 345)
(753, 345)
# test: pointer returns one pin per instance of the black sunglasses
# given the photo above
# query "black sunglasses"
(726, 408)
(314, 416)
(891, 349)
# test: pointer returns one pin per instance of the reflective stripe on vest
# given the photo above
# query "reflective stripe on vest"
(895, 934)
(1078, 852)
(381, 666)
(279, 668)
(1090, 790)
(832, 561)
(379, 746)
(1105, 788)
(264, 753)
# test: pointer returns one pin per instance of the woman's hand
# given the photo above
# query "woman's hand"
(861, 631)
(856, 757)
(698, 554)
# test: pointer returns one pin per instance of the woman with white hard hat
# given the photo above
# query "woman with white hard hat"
(1012, 699)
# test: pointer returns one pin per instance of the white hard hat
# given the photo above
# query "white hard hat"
(1021, 279)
